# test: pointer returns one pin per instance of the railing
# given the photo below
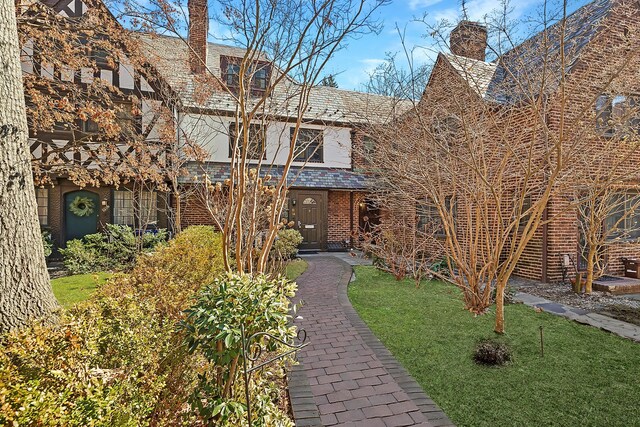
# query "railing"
(252, 349)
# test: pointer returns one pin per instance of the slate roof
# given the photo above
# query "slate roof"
(170, 56)
(520, 70)
(308, 177)
(478, 74)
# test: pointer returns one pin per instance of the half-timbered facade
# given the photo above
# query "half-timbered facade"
(327, 196)
(100, 132)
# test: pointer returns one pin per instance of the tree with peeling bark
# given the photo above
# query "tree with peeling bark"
(25, 291)
(499, 149)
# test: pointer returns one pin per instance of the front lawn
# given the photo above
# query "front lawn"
(295, 268)
(586, 377)
(71, 290)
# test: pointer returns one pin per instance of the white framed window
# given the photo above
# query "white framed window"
(123, 212)
(148, 208)
(135, 209)
(42, 198)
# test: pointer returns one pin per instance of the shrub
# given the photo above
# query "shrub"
(114, 249)
(491, 352)
(116, 359)
(47, 243)
(213, 329)
(286, 245)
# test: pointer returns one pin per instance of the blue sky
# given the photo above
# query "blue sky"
(352, 65)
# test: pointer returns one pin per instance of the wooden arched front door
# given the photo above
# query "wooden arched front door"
(81, 210)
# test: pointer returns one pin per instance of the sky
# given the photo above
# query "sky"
(352, 66)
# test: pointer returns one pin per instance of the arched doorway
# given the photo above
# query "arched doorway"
(81, 210)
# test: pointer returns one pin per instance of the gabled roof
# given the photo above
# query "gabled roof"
(170, 56)
(478, 74)
(533, 66)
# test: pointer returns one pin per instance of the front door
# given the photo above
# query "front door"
(311, 218)
(81, 209)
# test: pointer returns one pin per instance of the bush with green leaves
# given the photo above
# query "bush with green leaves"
(47, 243)
(116, 359)
(286, 245)
(114, 249)
(213, 328)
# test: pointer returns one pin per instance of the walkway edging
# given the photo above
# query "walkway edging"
(374, 390)
(586, 317)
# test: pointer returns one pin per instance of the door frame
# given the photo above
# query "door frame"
(295, 202)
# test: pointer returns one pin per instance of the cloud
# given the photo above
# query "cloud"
(477, 10)
(421, 4)
(355, 77)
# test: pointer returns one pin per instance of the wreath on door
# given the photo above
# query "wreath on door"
(81, 206)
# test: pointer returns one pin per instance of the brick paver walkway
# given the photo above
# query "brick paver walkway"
(346, 376)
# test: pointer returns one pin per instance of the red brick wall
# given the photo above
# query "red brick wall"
(198, 32)
(194, 212)
(342, 218)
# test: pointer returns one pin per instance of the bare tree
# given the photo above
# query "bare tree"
(285, 47)
(502, 148)
(25, 292)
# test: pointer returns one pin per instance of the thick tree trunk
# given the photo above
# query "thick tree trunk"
(25, 291)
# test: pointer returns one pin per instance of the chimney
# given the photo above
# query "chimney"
(469, 39)
(198, 31)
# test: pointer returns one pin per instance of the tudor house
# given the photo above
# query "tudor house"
(592, 45)
(327, 201)
(327, 197)
(87, 178)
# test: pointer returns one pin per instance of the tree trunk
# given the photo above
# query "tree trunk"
(500, 287)
(25, 291)
(591, 265)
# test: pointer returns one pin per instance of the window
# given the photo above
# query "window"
(123, 208)
(259, 73)
(42, 198)
(309, 147)
(524, 214)
(256, 143)
(135, 212)
(617, 114)
(125, 117)
(89, 126)
(148, 208)
(231, 73)
(624, 218)
(369, 147)
(428, 216)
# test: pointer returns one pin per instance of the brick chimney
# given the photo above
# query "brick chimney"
(469, 39)
(198, 31)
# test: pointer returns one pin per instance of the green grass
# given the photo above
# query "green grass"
(295, 268)
(71, 290)
(587, 377)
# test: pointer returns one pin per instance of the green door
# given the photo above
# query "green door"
(81, 210)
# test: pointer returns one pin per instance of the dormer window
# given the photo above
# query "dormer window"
(259, 74)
